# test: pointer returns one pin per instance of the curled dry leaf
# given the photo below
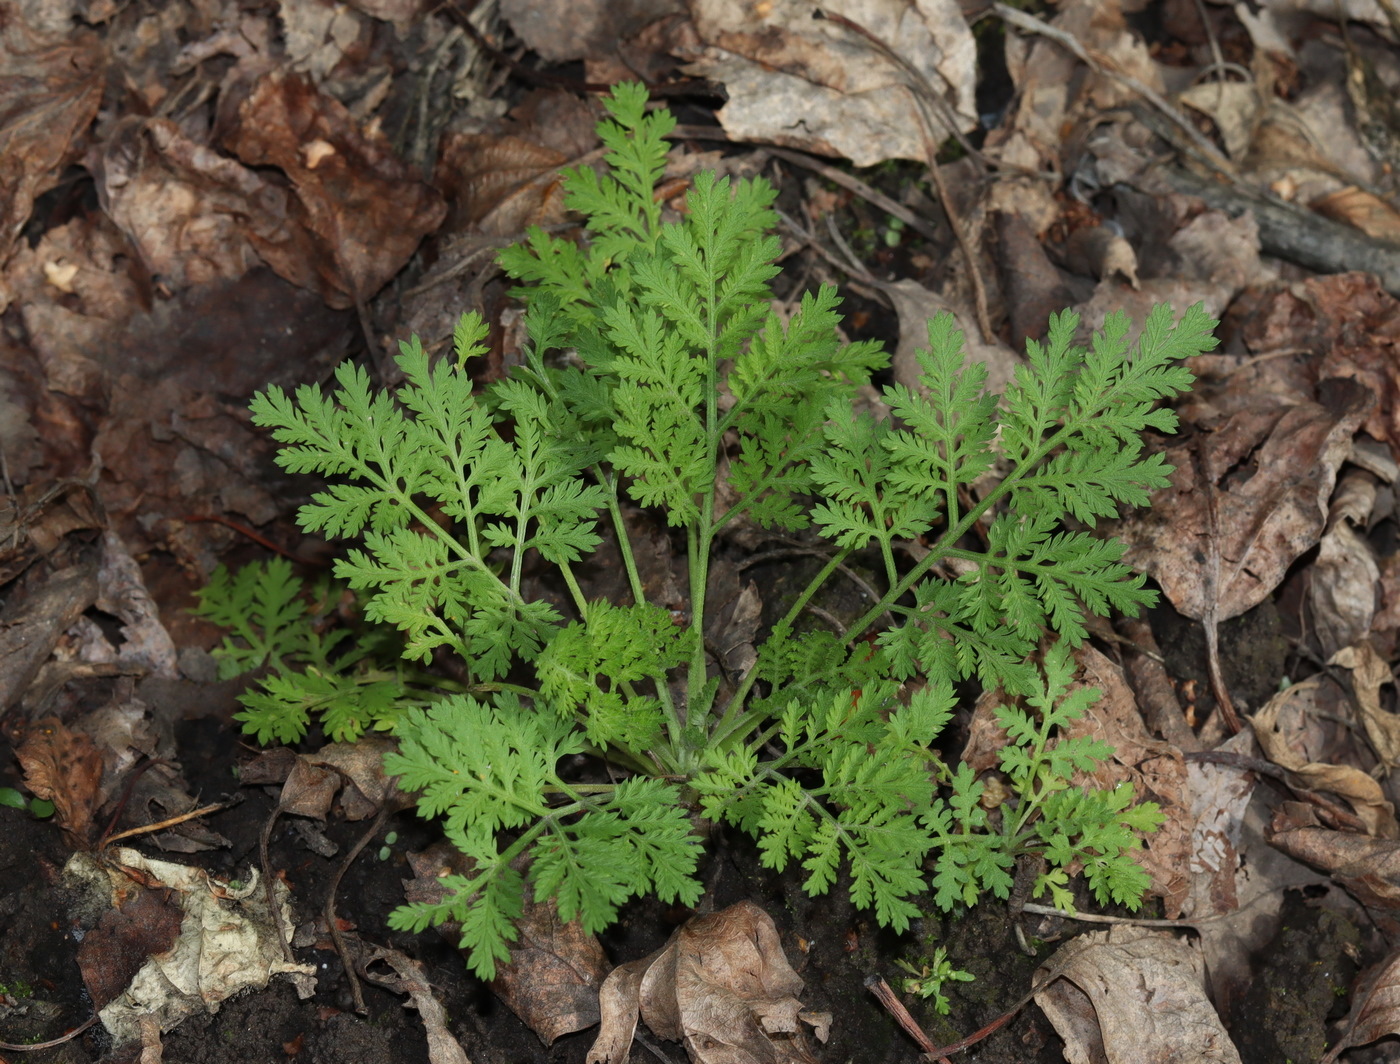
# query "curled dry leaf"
(1283, 728)
(1361, 210)
(554, 974)
(411, 977)
(228, 941)
(721, 985)
(1345, 577)
(1368, 868)
(1369, 672)
(1375, 1008)
(555, 968)
(1132, 996)
(311, 781)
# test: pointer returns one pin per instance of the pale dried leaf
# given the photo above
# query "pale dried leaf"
(1342, 588)
(1132, 996)
(229, 939)
(411, 978)
(1361, 210)
(1233, 106)
(816, 85)
(1369, 672)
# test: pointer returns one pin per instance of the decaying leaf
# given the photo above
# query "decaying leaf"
(721, 985)
(411, 977)
(1375, 1008)
(50, 92)
(1282, 728)
(1345, 576)
(555, 972)
(311, 781)
(818, 85)
(65, 768)
(1369, 868)
(1362, 210)
(365, 208)
(1132, 996)
(228, 941)
(1271, 472)
(1369, 673)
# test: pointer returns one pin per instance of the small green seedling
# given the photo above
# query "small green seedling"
(927, 978)
(659, 377)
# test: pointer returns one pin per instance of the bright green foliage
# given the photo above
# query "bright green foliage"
(311, 671)
(928, 977)
(657, 372)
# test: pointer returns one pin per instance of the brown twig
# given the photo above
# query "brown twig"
(1210, 621)
(890, 1000)
(329, 909)
(881, 990)
(68, 1037)
(244, 530)
(169, 822)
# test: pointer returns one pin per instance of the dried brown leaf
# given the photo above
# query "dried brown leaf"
(355, 771)
(554, 974)
(1271, 472)
(1133, 996)
(64, 767)
(1375, 1008)
(364, 207)
(1369, 868)
(721, 985)
(1286, 729)
(1342, 588)
(49, 93)
(1361, 210)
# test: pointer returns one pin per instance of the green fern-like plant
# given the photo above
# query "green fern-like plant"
(658, 376)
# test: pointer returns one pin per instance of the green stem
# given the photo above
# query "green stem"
(580, 603)
(734, 718)
(954, 533)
